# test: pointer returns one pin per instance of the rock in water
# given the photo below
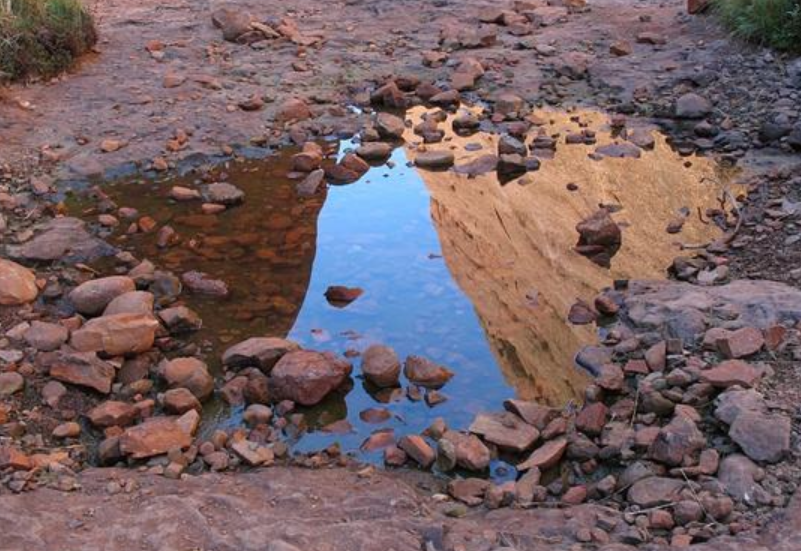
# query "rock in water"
(381, 366)
(306, 377)
(65, 240)
(92, 297)
(426, 373)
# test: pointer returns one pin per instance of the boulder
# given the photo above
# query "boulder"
(261, 352)
(189, 373)
(505, 430)
(46, 337)
(133, 302)
(17, 284)
(763, 437)
(113, 414)
(469, 452)
(306, 376)
(654, 491)
(381, 366)
(390, 127)
(116, 335)
(692, 106)
(92, 297)
(731, 373)
(159, 435)
(676, 441)
(83, 369)
(62, 239)
(426, 373)
(545, 456)
(418, 449)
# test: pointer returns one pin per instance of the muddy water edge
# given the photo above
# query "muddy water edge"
(471, 271)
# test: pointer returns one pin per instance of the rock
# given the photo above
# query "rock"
(501, 495)
(11, 382)
(733, 402)
(374, 151)
(730, 373)
(390, 127)
(469, 452)
(599, 237)
(63, 239)
(46, 337)
(200, 283)
(611, 378)
(418, 449)
(261, 352)
(253, 453)
(257, 414)
(620, 48)
(189, 373)
(13, 459)
(434, 160)
(311, 183)
(306, 377)
(581, 313)
(739, 477)
(158, 435)
(532, 413)
(233, 22)
(340, 296)
(67, 430)
(619, 151)
(134, 302)
(180, 319)
(469, 491)
(223, 193)
(426, 373)
(83, 369)
(575, 495)
(654, 491)
(761, 436)
(505, 430)
(687, 511)
(545, 456)
(509, 105)
(180, 194)
(741, 343)
(180, 400)
(293, 109)
(113, 414)
(381, 366)
(116, 335)
(677, 441)
(692, 106)
(92, 297)
(592, 418)
(17, 284)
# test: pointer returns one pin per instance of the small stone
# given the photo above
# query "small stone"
(418, 449)
(11, 382)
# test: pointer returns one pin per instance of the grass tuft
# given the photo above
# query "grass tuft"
(42, 37)
(775, 23)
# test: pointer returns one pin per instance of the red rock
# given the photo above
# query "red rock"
(309, 159)
(158, 435)
(340, 296)
(620, 48)
(426, 373)
(654, 491)
(390, 127)
(17, 284)
(418, 449)
(379, 440)
(575, 495)
(189, 373)
(655, 356)
(592, 418)
(83, 369)
(740, 343)
(133, 302)
(293, 110)
(381, 366)
(677, 441)
(774, 336)
(375, 415)
(606, 305)
(730, 373)
(306, 377)
(92, 297)
(505, 430)
(261, 352)
(116, 335)
(470, 452)
(394, 456)
(469, 491)
(532, 413)
(253, 453)
(46, 337)
(763, 437)
(180, 193)
(610, 378)
(180, 400)
(390, 95)
(201, 284)
(113, 414)
(12, 458)
(581, 313)
(546, 456)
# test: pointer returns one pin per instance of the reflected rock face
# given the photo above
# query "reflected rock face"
(513, 250)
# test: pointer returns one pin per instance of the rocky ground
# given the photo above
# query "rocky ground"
(689, 434)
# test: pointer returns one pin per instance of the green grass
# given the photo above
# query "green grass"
(775, 23)
(42, 37)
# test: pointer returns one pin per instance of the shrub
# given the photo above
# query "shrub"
(42, 37)
(775, 23)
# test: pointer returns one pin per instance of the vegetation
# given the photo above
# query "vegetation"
(42, 37)
(775, 23)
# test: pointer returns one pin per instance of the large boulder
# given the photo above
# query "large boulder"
(116, 335)
(17, 284)
(92, 297)
(306, 376)
(261, 352)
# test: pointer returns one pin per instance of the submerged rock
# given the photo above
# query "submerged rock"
(65, 240)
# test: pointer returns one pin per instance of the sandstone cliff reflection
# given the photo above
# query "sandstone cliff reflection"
(510, 247)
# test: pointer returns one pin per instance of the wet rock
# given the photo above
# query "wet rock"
(158, 435)
(678, 440)
(311, 183)
(11, 382)
(113, 414)
(309, 158)
(180, 319)
(189, 373)
(447, 99)
(293, 109)
(426, 373)
(180, 400)
(390, 95)
(65, 240)
(17, 284)
(434, 160)
(83, 369)
(261, 352)
(381, 366)
(253, 453)
(133, 302)
(92, 297)
(469, 452)
(654, 491)
(340, 296)
(257, 414)
(692, 106)
(223, 193)
(116, 335)
(306, 377)
(731, 373)
(505, 430)
(545, 456)
(200, 283)
(482, 165)
(374, 151)
(390, 127)
(418, 449)
(762, 437)
(46, 337)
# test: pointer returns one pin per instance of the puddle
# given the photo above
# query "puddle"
(471, 273)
